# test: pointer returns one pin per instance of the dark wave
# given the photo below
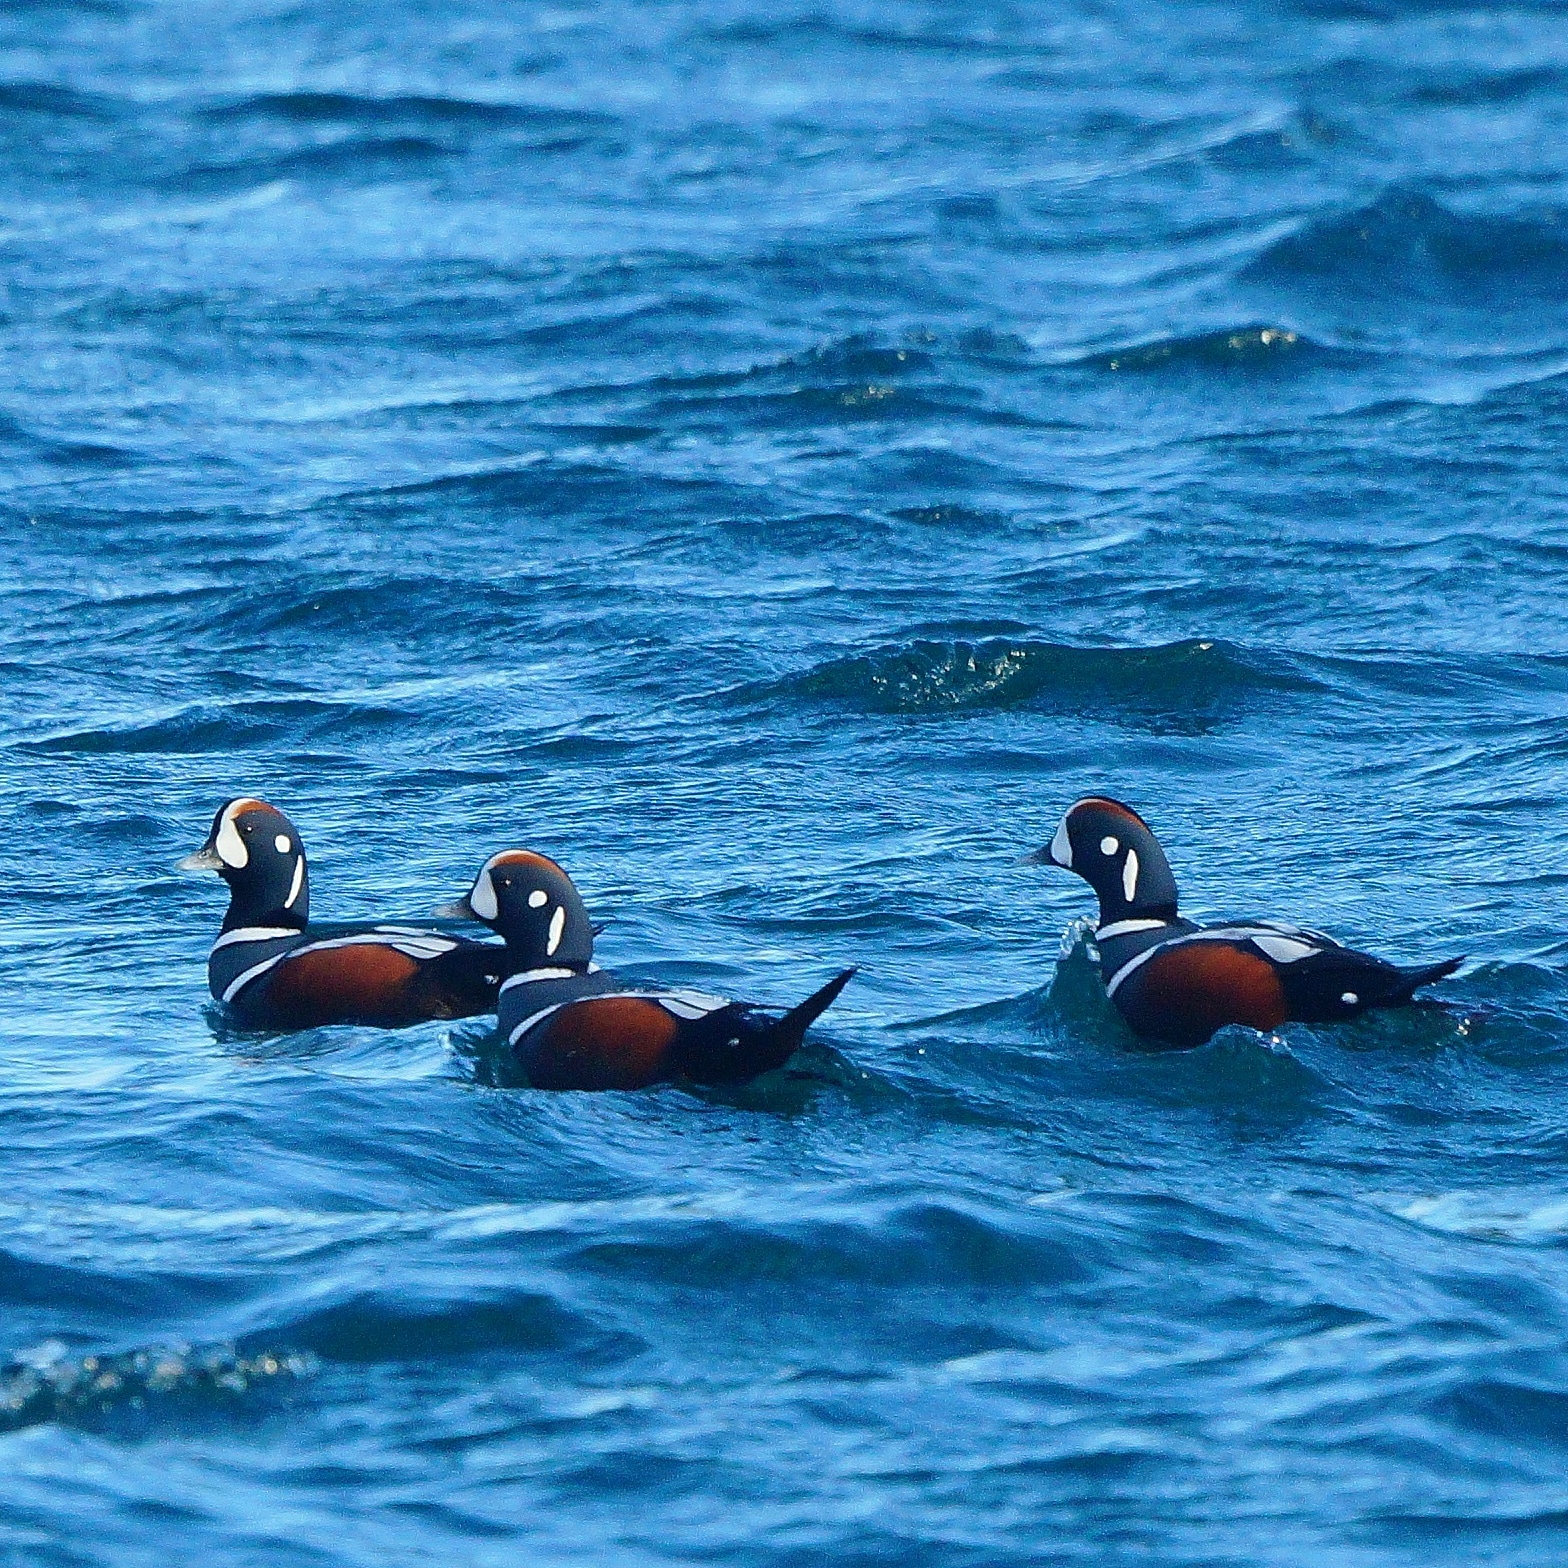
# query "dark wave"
(1458, 88)
(368, 111)
(369, 157)
(913, 1239)
(375, 1326)
(239, 726)
(45, 98)
(1186, 683)
(18, 442)
(1406, 242)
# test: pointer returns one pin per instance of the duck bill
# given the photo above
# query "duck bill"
(205, 859)
(458, 909)
(1059, 852)
(1044, 857)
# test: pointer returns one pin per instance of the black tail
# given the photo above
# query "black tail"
(1411, 980)
(791, 1028)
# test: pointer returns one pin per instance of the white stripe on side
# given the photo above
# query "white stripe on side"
(1282, 950)
(424, 945)
(690, 1004)
(238, 984)
(684, 1004)
(535, 1018)
(1133, 963)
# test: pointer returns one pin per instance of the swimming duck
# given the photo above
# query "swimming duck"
(574, 1025)
(1177, 982)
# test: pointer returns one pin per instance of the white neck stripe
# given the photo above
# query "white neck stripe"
(1127, 927)
(529, 976)
(255, 934)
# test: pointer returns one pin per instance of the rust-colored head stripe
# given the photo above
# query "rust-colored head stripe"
(525, 857)
(1114, 807)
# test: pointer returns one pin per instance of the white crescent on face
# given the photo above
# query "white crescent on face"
(228, 843)
(482, 898)
(1061, 847)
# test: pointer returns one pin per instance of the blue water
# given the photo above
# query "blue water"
(774, 458)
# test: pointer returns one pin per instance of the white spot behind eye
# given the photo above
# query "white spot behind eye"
(1350, 998)
(557, 928)
(538, 898)
(282, 843)
(1130, 875)
(1109, 845)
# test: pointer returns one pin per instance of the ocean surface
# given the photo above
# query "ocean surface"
(774, 458)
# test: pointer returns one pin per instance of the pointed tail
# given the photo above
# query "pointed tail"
(791, 1028)
(1411, 980)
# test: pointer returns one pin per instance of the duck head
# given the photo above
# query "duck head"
(256, 850)
(1112, 848)
(531, 903)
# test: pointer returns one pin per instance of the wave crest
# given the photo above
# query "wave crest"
(48, 1384)
(1189, 682)
(1244, 348)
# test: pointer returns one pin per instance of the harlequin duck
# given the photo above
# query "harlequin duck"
(1177, 982)
(277, 971)
(574, 1025)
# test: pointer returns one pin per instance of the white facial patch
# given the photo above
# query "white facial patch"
(557, 930)
(1130, 875)
(538, 898)
(282, 843)
(1350, 999)
(1109, 845)
(1061, 847)
(482, 898)
(297, 883)
(229, 845)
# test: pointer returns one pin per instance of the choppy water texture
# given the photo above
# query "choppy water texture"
(774, 457)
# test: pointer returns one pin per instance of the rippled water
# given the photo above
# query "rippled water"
(774, 458)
